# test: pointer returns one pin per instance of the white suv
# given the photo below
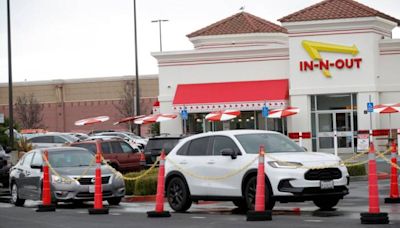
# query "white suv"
(223, 166)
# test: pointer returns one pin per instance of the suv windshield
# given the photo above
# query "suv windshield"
(72, 158)
(274, 143)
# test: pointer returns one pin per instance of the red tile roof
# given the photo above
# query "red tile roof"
(238, 24)
(336, 9)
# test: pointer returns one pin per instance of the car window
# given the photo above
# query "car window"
(58, 139)
(116, 147)
(199, 147)
(273, 143)
(127, 149)
(28, 160)
(42, 139)
(158, 144)
(183, 149)
(223, 142)
(37, 159)
(105, 147)
(88, 146)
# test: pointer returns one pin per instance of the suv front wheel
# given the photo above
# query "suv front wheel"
(326, 203)
(178, 195)
(250, 195)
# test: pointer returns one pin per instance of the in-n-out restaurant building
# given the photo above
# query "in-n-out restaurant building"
(329, 60)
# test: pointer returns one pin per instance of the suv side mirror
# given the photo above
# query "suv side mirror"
(304, 148)
(229, 152)
(36, 166)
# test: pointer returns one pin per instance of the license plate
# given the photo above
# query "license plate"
(91, 188)
(327, 184)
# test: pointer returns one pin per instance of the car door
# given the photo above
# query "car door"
(194, 165)
(221, 165)
(34, 180)
(131, 155)
(25, 190)
(108, 155)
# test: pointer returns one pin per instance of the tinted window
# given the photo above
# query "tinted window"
(105, 147)
(116, 147)
(183, 149)
(58, 139)
(158, 144)
(37, 159)
(42, 139)
(223, 142)
(126, 148)
(274, 143)
(199, 147)
(89, 146)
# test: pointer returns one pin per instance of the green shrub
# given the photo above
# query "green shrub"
(144, 183)
(358, 170)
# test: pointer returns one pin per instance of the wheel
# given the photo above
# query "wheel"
(178, 195)
(326, 203)
(15, 196)
(114, 201)
(5, 183)
(250, 194)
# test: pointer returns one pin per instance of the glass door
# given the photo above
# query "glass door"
(328, 124)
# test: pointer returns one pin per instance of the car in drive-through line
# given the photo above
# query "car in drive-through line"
(201, 167)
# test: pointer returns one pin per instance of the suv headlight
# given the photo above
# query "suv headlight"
(61, 180)
(285, 165)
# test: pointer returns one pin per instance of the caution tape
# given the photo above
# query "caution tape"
(389, 161)
(132, 178)
(226, 176)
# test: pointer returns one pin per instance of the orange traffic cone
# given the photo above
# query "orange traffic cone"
(98, 192)
(159, 211)
(142, 161)
(46, 192)
(374, 216)
(394, 187)
(259, 213)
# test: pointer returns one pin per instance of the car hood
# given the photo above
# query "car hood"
(306, 158)
(78, 171)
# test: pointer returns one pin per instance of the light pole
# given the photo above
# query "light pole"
(10, 84)
(136, 68)
(159, 27)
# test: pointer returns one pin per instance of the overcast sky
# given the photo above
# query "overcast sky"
(63, 39)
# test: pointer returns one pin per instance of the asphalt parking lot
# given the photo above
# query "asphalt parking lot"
(209, 214)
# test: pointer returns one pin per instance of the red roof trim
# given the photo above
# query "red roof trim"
(225, 92)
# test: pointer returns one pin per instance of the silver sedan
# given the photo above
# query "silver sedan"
(72, 177)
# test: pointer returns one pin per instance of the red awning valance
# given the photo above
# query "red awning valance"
(243, 95)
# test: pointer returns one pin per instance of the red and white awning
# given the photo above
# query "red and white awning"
(387, 108)
(128, 119)
(242, 95)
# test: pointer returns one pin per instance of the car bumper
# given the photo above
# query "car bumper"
(75, 191)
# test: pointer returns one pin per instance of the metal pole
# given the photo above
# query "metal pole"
(159, 28)
(10, 83)
(370, 123)
(136, 68)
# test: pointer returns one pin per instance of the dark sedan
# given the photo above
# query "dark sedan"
(71, 180)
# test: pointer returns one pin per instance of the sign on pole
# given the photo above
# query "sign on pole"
(265, 111)
(370, 107)
(184, 114)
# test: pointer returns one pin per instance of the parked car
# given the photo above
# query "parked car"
(52, 140)
(130, 137)
(120, 154)
(5, 165)
(70, 163)
(288, 178)
(80, 136)
(154, 146)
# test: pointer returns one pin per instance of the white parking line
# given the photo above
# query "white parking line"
(312, 220)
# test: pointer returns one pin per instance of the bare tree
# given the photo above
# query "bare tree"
(29, 111)
(126, 106)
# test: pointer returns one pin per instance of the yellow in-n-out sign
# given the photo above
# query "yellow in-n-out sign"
(314, 48)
